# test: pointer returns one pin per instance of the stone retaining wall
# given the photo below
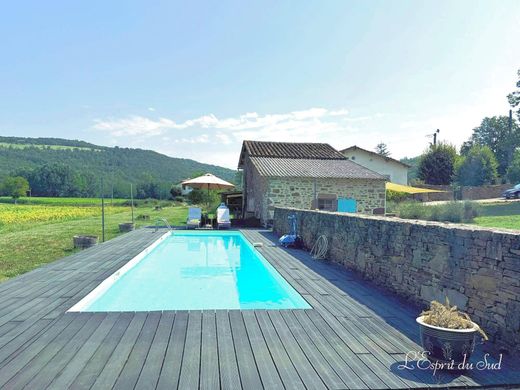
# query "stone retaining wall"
(478, 269)
(484, 192)
(461, 193)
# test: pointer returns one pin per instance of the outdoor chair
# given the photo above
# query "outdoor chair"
(223, 221)
(194, 217)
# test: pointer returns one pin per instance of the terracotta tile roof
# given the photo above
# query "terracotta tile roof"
(313, 168)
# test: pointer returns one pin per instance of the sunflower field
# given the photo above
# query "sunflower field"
(15, 214)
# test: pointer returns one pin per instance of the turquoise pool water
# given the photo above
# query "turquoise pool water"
(196, 271)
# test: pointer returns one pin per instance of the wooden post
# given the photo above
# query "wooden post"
(132, 200)
(102, 211)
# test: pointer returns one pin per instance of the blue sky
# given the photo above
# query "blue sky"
(193, 79)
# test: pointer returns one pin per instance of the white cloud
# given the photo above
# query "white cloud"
(139, 125)
(151, 109)
(199, 137)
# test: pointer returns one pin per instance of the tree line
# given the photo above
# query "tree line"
(59, 180)
(490, 156)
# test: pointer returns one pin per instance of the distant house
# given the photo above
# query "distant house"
(307, 176)
(394, 170)
(185, 189)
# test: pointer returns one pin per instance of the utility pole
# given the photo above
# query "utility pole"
(434, 136)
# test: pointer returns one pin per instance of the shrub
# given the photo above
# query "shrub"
(413, 210)
(451, 212)
(447, 212)
(396, 196)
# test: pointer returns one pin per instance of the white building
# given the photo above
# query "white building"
(395, 170)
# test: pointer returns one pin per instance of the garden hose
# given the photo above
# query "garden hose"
(320, 248)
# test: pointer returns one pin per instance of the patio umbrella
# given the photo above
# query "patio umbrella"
(209, 182)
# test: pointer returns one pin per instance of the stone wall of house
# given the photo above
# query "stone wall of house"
(478, 269)
(255, 188)
(300, 193)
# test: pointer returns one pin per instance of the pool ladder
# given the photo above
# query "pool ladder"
(162, 220)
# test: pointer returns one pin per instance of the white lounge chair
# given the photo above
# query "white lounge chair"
(194, 217)
(223, 221)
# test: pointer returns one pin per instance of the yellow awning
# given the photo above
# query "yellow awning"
(408, 189)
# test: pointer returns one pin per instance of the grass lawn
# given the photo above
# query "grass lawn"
(504, 215)
(27, 245)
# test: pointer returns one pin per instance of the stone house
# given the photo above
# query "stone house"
(306, 176)
(394, 170)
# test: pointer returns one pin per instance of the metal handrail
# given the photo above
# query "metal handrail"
(162, 220)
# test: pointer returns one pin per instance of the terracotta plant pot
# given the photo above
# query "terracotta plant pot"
(126, 227)
(84, 242)
(446, 345)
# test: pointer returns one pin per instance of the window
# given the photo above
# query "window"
(326, 204)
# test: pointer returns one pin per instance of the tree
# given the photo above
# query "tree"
(196, 196)
(477, 167)
(15, 187)
(382, 149)
(148, 190)
(436, 165)
(494, 133)
(513, 172)
(175, 191)
(52, 180)
(514, 97)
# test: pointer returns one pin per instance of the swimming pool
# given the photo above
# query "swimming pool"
(194, 271)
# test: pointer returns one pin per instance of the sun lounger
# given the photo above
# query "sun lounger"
(223, 221)
(194, 217)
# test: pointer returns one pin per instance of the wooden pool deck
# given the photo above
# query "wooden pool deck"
(355, 337)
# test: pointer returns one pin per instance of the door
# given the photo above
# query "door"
(346, 205)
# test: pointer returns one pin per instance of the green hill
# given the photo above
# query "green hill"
(87, 164)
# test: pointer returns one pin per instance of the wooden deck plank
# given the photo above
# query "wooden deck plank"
(264, 362)
(84, 354)
(154, 360)
(349, 357)
(171, 368)
(209, 365)
(228, 366)
(249, 376)
(344, 371)
(320, 364)
(133, 366)
(284, 365)
(300, 361)
(110, 373)
(41, 349)
(55, 364)
(95, 365)
(190, 368)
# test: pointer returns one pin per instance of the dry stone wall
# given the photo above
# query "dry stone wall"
(478, 269)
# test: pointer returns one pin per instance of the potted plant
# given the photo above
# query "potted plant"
(126, 227)
(447, 334)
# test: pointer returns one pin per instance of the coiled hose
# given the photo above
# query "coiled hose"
(320, 248)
